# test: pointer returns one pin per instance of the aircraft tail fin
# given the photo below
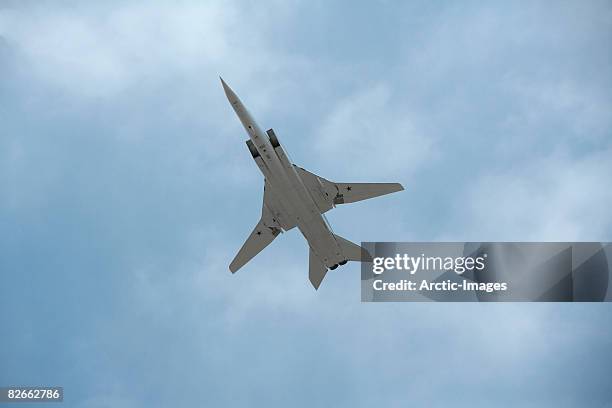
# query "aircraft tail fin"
(352, 251)
(316, 270)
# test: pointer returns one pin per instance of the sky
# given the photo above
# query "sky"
(126, 189)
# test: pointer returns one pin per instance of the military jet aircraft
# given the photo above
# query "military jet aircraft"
(295, 197)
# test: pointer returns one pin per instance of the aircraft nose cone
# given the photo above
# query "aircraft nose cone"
(225, 87)
(228, 91)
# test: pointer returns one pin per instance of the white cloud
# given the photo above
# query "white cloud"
(99, 51)
(556, 198)
(583, 109)
(371, 136)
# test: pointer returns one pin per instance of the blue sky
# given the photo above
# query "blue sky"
(126, 189)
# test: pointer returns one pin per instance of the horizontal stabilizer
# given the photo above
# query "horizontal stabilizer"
(352, 251)
(316, 269)
(260, 238)
(352, 192)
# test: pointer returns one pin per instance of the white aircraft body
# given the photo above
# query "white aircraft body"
(294, 197)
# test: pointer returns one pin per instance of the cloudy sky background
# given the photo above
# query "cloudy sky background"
(126, 189)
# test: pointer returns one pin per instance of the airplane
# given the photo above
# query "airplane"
(294, 197)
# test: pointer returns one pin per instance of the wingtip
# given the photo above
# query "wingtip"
(314, 285)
